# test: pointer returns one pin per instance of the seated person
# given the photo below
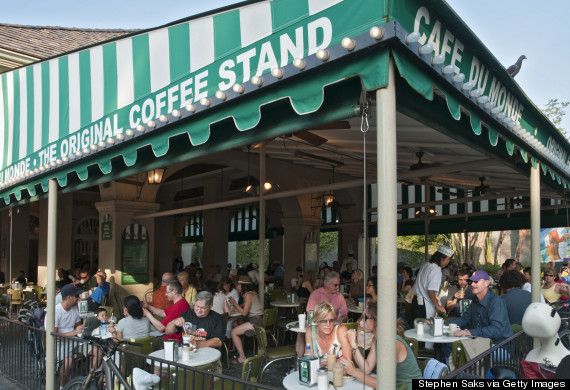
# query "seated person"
(324, 336)
(487, 315)
(201, 317)
(188, 291)
(406, 369)
(21, 278)
(371, 290)
(357, 286)
(174, 294)
(103, 288)
(346, 276)
(134, 325)
(455, 294)
(516, 299)
(251, 311)
(159, 298)
(552, 290)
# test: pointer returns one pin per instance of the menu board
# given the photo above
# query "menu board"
(134, 255)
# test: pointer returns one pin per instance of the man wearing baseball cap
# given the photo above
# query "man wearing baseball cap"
(67, 323)
(487, 315)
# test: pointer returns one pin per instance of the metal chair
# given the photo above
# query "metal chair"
(224, 345)
(269, 322)
(272, 354)
(249, 372)
(15, 298)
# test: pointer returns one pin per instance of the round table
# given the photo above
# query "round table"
(294, 327)
(201, 357)
(428, 338)
(284, 304)
(291, 382)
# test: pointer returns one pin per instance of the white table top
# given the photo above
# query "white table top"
(201, 357)
(284, 304)
(427, 338)
(294, 327)
(355, 309)
(291, 382)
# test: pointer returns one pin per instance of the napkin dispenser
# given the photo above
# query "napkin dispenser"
(308, 368)
(171, 350)
(436, 326)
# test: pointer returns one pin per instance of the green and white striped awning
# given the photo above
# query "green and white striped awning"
(120, 107)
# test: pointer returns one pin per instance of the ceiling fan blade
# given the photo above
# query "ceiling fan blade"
(311, 138)
(262, 143)
(339, 125)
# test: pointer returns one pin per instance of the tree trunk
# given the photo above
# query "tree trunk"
(498, 249)
(522, 238)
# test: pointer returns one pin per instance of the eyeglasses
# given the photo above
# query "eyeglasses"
(369, 285)
(324, 322)
(168, 292)
(549, 275)
(336, 285)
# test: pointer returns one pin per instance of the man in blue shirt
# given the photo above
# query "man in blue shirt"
(103, 288)
(487, 315)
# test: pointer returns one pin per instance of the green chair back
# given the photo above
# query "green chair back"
(269, 318)
(147, 344)
(261, 338)
(251, 368)
(413, 344)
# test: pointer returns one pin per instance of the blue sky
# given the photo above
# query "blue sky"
(508, 28)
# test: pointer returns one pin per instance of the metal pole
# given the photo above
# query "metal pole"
(535, 231)
(10, 254)
(50, 288)
(427, 207)
(387, 232)
(261, 222)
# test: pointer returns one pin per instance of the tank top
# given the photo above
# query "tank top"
(550, 295)
(255, 309)
(408, 369)
(318, 349)
(303, 292)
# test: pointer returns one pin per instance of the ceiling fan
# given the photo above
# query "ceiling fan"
(420, 164)
(307, 136)
(481, 189)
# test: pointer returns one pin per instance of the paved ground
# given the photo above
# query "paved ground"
(8, 384)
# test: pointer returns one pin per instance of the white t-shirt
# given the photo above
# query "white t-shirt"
(65, 320)
(349, 260)
(254, 276)
(219, 301)
(429, 279)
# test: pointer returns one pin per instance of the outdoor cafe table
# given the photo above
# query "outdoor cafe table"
(291, 382)
(428, 338)
(201, 357)
(284, 304)
(355, 309)
(294, 327)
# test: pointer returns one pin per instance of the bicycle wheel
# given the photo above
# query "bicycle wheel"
(77, 384)
(564, 336)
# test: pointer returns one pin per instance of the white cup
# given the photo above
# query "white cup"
(420, 329)
(452, 329)
(302, 319)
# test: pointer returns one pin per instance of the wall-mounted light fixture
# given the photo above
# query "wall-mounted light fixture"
(155, 176)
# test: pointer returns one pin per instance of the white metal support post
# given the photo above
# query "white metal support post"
(387, 233)
(261, 222)
(51, 257)
(535, 236)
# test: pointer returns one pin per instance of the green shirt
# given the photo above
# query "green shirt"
(408, 369)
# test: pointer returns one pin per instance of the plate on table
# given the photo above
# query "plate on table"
(347, 378)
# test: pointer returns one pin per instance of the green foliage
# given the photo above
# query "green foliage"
(411, 249)
(490, 268)
(248, 252)
(328, 247)
(555, 111)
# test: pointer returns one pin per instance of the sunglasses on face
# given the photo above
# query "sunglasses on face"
(369, 285)
(324, 322)
(549, 275)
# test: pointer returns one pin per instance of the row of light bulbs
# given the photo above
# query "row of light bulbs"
(458, 80)
(278, 73)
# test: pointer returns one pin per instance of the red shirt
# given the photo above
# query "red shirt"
(172, 313)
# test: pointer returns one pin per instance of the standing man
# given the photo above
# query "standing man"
(159, 298)
(67, 323)
(349, 259)
(201, 317)
(174, 294)
(428, 283)
(516, 299)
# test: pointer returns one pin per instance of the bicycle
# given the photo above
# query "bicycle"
(34, 339)
(563, 310)
(100, 378)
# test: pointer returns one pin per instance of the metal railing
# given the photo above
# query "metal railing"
(506, 354)
(20, 360)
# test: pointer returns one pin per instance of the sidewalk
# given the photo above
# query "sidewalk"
(8, 384)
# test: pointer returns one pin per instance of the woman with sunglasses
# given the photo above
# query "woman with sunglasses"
(324, 336)
(551, 289)
(406, 365)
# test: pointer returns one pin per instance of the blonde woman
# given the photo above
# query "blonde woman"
(356, 286)
(324, 336)
(188, 291)
(308, 284)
